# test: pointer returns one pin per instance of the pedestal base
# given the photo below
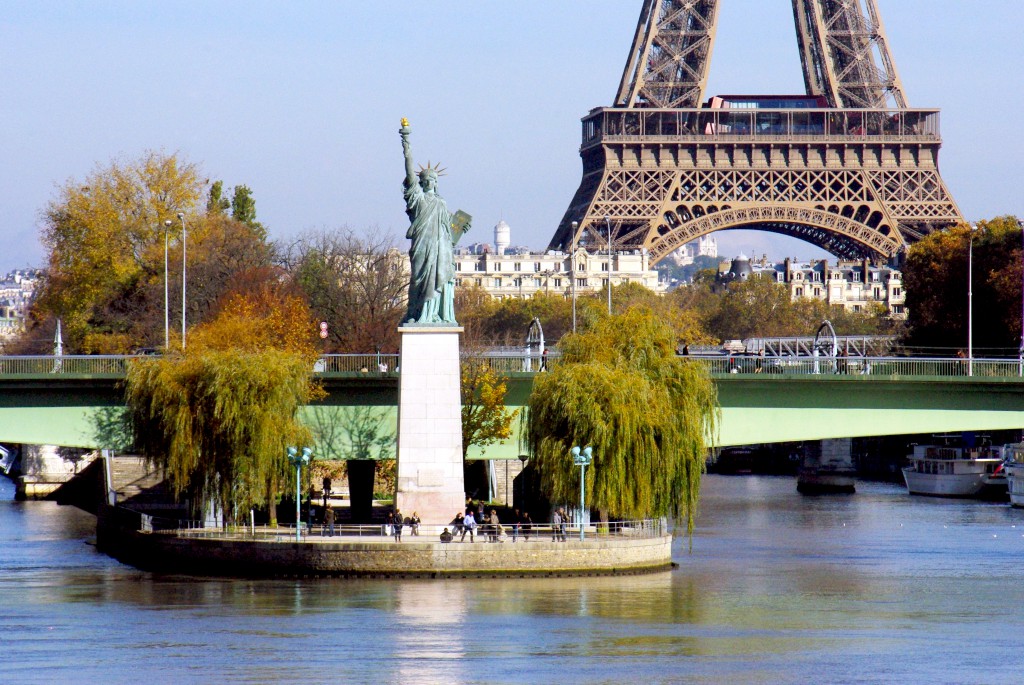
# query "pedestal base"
(430, 482)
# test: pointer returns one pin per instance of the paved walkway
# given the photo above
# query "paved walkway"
(373, 534)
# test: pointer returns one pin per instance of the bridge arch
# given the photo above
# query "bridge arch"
(847, 230)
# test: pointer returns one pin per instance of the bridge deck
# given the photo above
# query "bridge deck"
(79, 402)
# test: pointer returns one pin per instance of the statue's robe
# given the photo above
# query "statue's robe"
(432, 261)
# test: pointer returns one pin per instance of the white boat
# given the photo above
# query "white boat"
(945, 471)
(1014, 456)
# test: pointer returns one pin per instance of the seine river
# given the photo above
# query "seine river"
(876, 587)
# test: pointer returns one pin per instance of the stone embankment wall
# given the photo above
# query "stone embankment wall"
(119, 537)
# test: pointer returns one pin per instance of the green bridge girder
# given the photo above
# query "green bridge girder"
(358, 418)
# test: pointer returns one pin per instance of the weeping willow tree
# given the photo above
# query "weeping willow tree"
(648, 414)
(218, 419)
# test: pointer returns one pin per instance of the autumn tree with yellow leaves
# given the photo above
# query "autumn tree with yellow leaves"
(105, 238)
(485, 418)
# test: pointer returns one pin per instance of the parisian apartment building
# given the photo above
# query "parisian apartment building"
(854, 285)
(503, 270)
(16, 291)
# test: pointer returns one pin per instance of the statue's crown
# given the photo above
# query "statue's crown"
(434, 170)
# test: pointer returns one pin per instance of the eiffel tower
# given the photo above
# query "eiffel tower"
(848, 166)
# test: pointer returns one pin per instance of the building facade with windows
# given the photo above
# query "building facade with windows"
(16, 291)
(504, 271)
(526, 274)
(855, 285)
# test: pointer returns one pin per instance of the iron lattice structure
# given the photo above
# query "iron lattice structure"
(858, 175)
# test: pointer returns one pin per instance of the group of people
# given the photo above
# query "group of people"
(473, 521)
(396, 522)
(559, 522)
(489, 525)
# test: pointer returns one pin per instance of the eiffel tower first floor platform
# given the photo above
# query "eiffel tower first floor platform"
(857, 183)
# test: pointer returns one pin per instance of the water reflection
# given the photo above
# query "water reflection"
(429, 631)
(874, 587)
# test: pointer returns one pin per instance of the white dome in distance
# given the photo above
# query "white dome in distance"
(502, 236)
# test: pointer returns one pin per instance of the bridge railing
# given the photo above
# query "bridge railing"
(371, 365)
(84, 365)
(357, 363)
(891, 367)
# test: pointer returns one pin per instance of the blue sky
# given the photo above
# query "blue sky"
(301, 100)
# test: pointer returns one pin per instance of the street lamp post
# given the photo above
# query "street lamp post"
(582, 459)
(608, 225)
(298, 461)
(970, 302)
(1020, 353)
(184, 241)
(572, 270)
(167, 313)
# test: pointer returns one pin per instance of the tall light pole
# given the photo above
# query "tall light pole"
(1020, 353)
(608, 225)
(184, 255)
(167, 313)
(298, 460)
(572, 271)
(582, 460)
(970, 301)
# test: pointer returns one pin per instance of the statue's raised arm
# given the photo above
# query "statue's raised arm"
(410, 175)
(434, 233)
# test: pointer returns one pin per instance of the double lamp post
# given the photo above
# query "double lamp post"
(298, 461)
(582, 458)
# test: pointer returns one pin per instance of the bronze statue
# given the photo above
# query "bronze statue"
(434, 232)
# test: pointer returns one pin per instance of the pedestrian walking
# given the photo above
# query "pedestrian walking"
(468, 526)
(556, 524)
(517, 519)
(457, 525)
(397, 526)
(527, 526)
(414, 524)
(495, 531)
(327, 490)
(561, 527)
(329, 519)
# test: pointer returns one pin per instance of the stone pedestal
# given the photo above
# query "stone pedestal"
(429, 425)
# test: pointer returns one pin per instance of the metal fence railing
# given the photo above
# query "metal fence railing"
(72, 365)
(357, 363)
(285, 533)
(882, 367)
(514, 363)
(377, 365)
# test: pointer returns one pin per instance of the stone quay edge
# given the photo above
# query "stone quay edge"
(169, 552)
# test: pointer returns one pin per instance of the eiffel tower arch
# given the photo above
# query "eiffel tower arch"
(847, 166)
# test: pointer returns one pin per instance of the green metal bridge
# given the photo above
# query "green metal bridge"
(78, 401)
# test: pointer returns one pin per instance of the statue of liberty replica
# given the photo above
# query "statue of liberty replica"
(429, 471)
(434, 232)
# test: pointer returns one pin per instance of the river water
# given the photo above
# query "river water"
(876, 587)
